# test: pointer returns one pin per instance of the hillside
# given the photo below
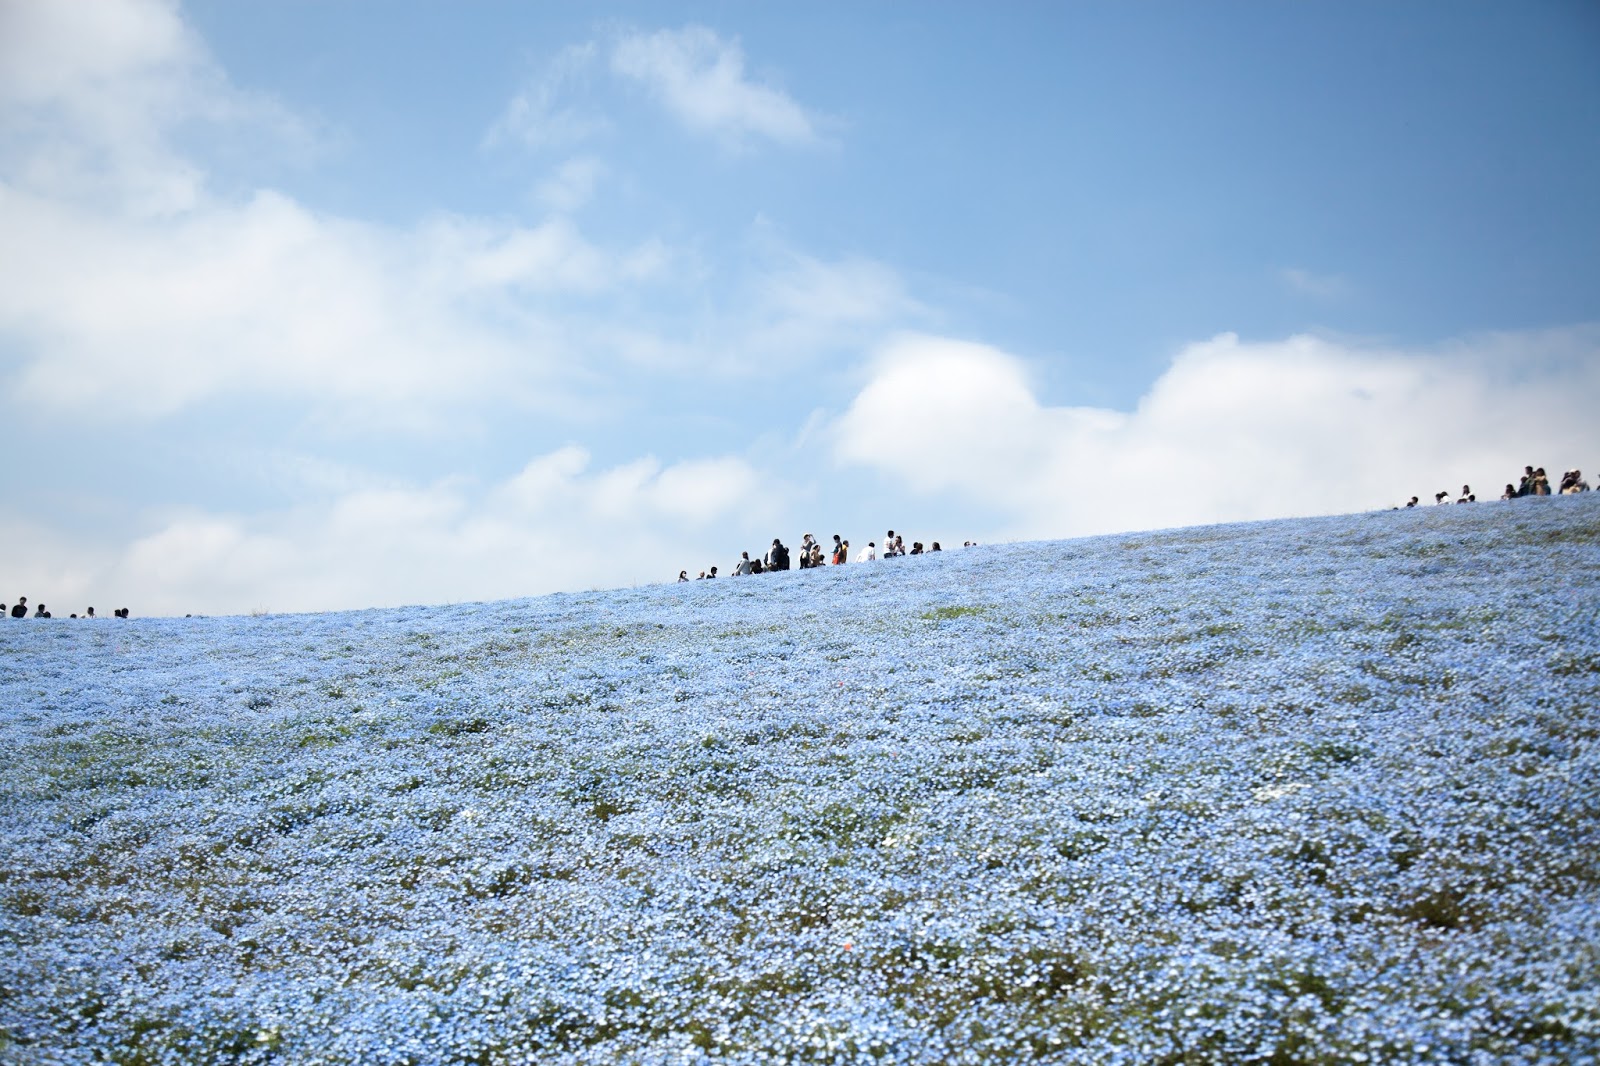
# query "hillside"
(1305, 791)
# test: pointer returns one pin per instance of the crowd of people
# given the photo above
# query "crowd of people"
(811, 554)
(41, 611)
(1534, 482)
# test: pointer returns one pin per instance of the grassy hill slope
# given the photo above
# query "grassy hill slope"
(1303, 791)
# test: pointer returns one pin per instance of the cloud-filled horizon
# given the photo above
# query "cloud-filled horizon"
(664, 304)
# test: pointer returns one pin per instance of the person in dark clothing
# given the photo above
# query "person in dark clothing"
(40, 612)
(21, 609)
(777, 556)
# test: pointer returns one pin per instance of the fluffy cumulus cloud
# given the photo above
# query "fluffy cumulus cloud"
(1231, 431)
(267, 297)
(700, 78)
(127, 284)
(89, 94)
(558, 524)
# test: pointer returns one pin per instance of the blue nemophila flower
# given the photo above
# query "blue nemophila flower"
(1319, 790)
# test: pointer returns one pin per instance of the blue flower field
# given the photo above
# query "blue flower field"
(1309, 791)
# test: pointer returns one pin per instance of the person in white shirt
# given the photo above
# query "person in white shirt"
(870, 554)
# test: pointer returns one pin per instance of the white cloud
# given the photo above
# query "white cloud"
(557, 524)
(267, 297)
(700, 78)
(542, 115)
(1232, 431)
(90, 93)
(128, 286)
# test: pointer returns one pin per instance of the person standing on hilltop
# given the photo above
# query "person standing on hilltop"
(21, 609)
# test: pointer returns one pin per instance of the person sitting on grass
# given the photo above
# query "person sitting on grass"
(1510, 493)
(744, 567)
(871, 553)
(777, 555)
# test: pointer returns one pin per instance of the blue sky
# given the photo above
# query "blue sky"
(314, 305)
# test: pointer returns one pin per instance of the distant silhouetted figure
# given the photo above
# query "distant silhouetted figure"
(744, 566)
(683, 575)
(777, 556)
(1525, 487)
(711, 573)
(121, 612)
(89, 613)
(40, 612)
(21, 609)
(916, 547)
(838, 550)
(935, 547)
